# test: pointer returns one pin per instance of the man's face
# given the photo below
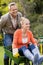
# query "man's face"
(13, 10)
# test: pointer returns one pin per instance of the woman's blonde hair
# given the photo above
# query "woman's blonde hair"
(23, 20)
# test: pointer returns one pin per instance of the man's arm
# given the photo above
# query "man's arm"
(2, 22)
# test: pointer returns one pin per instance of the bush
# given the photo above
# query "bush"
(1, 38)
(40, 19)
(38, 30)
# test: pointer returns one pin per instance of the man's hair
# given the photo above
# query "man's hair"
(11, 4)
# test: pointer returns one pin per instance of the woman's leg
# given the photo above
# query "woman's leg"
(40, 60)
(30, 56)
(40, 57)
(27, 53)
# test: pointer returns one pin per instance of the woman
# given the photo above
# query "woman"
(24, 42)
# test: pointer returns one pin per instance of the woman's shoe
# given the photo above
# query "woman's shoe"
(40, 60)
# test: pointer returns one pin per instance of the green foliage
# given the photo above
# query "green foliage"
(3, 7)
(20, 8)
(40, 19)
(38, 30)
(39, 6)
(1, 55)
(1, 39)
(33, 18)
(5, 10)
(38, 26)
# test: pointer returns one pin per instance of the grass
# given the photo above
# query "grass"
(2, 55)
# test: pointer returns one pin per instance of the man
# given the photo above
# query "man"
(8, 24)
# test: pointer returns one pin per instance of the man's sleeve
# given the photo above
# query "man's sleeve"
(2, 22)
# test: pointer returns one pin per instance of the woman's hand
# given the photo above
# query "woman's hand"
(16, 55)
(15, 52)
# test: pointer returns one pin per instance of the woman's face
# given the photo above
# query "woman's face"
(26, 25)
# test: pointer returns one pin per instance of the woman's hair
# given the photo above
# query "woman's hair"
(23, 20)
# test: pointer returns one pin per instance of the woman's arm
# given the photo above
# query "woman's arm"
(14, 44)
(33, 40)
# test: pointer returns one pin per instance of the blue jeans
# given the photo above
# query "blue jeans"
(26, 52)
(8, 38)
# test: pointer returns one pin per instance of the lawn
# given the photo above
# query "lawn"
(1, 55)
